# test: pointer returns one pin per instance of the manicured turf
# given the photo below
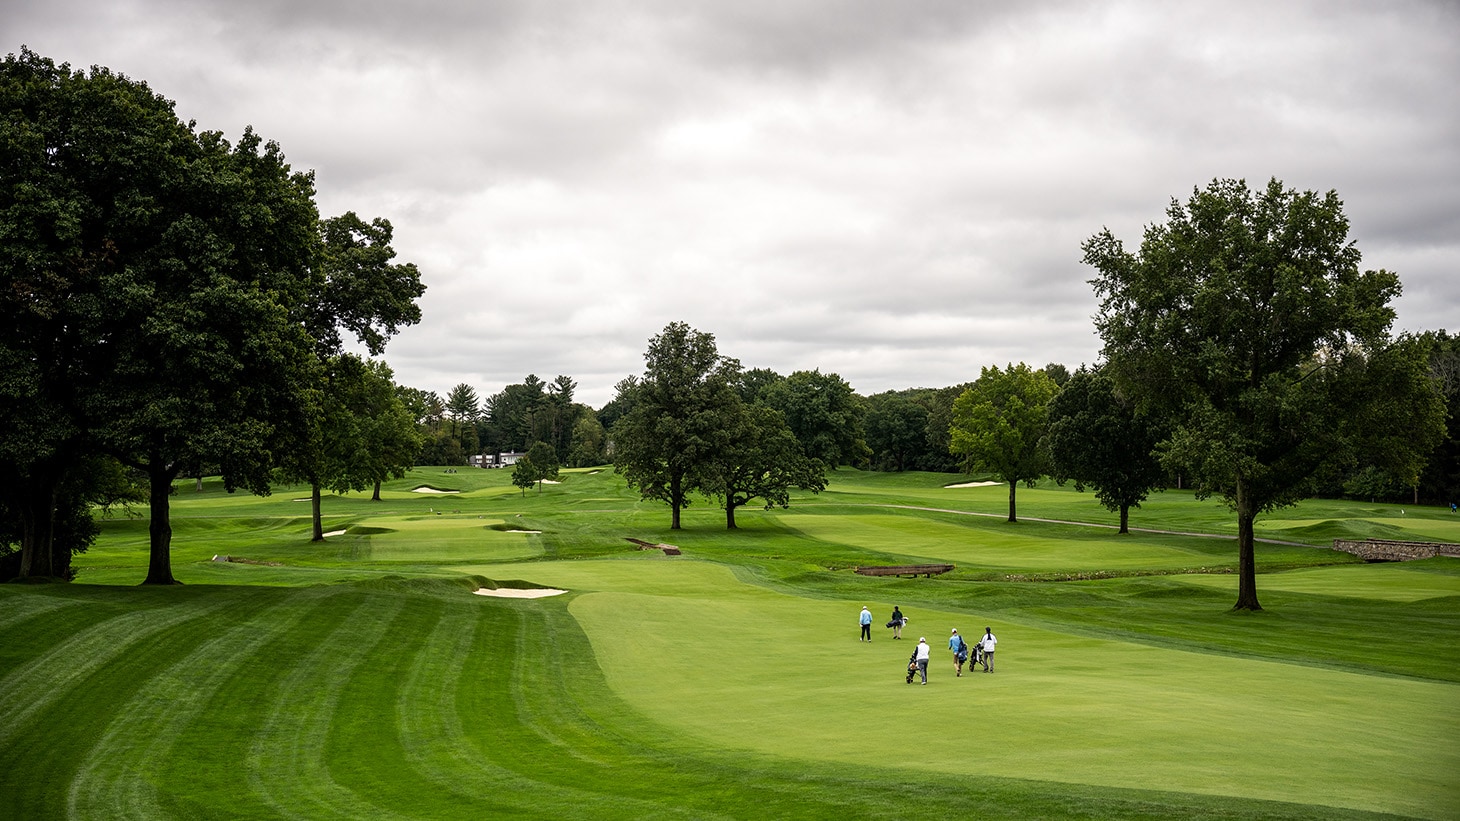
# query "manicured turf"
(359, 677)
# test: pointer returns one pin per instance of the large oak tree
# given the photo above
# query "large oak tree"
(1097, 438)
(1245, 320)
(758, 457)
(175, 291)
(685, 397)
(1000, 422)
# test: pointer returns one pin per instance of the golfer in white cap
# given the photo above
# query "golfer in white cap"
(960, 651)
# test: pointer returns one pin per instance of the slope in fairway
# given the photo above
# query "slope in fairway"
(966, 545)
(1389, 582)
(443, 539)
(737, 666)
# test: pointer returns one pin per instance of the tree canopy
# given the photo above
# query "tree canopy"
(1246, 321)
(1000, 422)
(758, 457)
(897, 430)
(676, 411)
(1097, 438)
(823, 412)
(538, 465)
(173, 290)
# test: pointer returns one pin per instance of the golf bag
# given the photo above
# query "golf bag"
(912, 668)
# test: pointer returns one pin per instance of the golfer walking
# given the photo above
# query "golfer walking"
(923, 652)
(987, 643)
(960, 651)
(866, 625)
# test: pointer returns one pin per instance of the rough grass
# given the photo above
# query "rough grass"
(360, 678)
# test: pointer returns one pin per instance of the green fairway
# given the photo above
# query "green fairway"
(360, 677)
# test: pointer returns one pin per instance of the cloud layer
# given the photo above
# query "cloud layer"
(895, 192)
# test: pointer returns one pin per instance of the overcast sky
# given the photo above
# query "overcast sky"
(894, 191)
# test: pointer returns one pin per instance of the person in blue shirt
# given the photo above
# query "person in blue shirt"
(960, 651)
(866, 625)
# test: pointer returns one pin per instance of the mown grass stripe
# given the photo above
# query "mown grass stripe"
(118, 778)
(286, 765)
(34, 686)
(17, 609)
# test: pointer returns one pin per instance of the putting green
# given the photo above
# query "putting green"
(1388, 582)
(969, 546)
(737, 666)
(440, 539)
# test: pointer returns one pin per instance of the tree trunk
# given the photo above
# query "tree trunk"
(375, 497)
(1125, 518)
(1246, 556)
(199, 487)
(729, 514)
(38, 528)
(674, 500)
(317, 525)
(159, 529)
(1012, 485)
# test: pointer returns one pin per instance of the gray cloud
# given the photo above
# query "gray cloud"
(892, 192)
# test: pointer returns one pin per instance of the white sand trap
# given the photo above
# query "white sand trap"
(522, 531)
(975, 484)
(518, 593)
(305, 499)
(334, 533)
(424, 489)
(551, 482)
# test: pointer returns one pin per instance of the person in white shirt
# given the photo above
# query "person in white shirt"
(923, 651)
(987, 646)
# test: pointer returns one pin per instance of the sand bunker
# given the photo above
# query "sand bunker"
(520, 593)
(424, 489)
(522, 531)
(334, 533)
(975, 484)
(551, 482)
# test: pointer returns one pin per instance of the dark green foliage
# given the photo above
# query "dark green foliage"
(169, 268)
(822, 411)
(897, 430)
(999, 424)
(758, 457)
(755, 382)
(1097, 438)
(173, 292)
(590, 441)
(543, 462)
(1246, 322)
(362, 291)
(621, 404)
(1439, 482)
(677, 411)
(533, 411)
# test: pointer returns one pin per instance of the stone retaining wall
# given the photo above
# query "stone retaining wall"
(1393, 551)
